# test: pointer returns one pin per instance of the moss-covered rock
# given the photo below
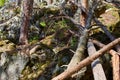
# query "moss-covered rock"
(6, 45)
(110, 18)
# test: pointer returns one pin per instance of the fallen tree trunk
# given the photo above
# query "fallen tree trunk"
(67, 73)
(107, 33)
(116, 67)
(78, 56)
(97, 68)
(115, 60)
(111, 51)
(82, 40)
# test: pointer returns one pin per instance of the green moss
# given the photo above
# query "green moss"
(17, 10)
(110, 19)
(108, 6)
(34, 39)
(6, 45)
(2, 2)
(60, 24)
(116, 30)
(33, 70)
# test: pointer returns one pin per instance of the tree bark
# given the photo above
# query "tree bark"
(26, 14)
(111, 51)
(83, 16)
(116, 67)
(67, 73)
(77, 57)
(97, 68)
(115, 60)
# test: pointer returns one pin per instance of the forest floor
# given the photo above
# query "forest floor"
(53, 40)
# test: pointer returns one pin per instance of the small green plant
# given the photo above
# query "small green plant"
(73, 41)
(34, 38)
(2, 2)
(60, 25)
(42, 24)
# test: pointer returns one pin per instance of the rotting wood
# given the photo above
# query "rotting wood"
(116, 67)
(82, 41)
(77, 57)
(97, 68)
(67, 73)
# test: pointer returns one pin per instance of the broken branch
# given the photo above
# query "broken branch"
(67, 73)
(115, 60)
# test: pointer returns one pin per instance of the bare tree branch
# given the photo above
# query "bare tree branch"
(115, 60)
(67, 73)
(107, 33)
(111, 51)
